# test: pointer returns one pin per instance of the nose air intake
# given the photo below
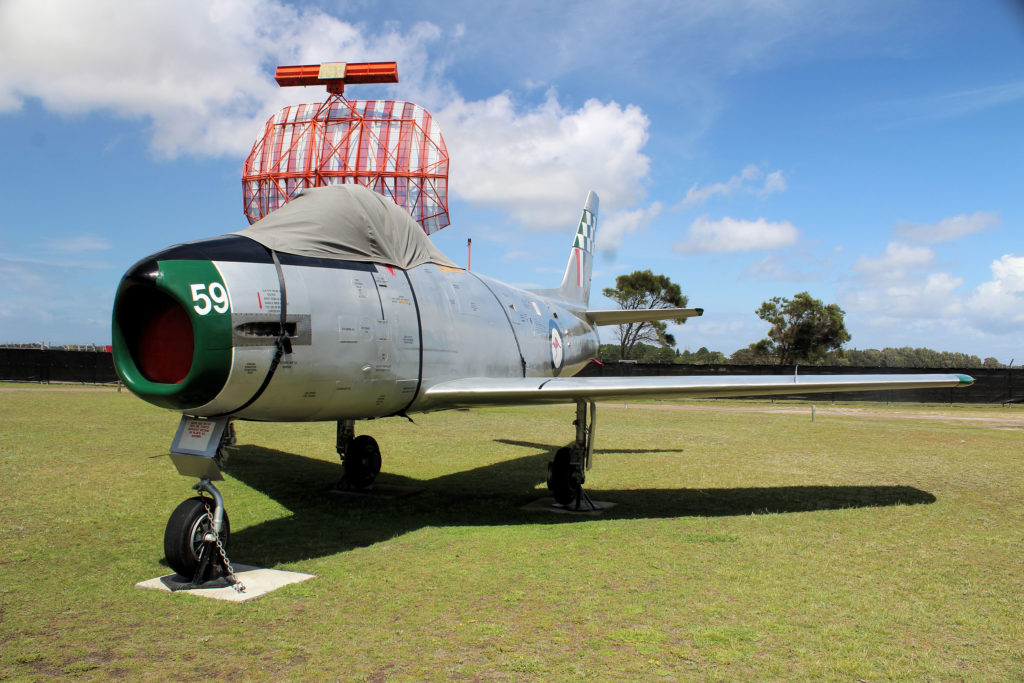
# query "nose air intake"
(159, 335)
(168, 349)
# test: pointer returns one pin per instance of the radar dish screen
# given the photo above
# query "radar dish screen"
(394, 148)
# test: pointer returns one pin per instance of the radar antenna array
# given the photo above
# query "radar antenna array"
(394, 148)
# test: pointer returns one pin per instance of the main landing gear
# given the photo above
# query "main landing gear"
(567, 472)
(360, 457)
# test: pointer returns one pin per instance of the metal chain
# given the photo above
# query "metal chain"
(236, 583)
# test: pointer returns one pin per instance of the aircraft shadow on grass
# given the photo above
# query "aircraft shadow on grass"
(324, 523)
(547, 447)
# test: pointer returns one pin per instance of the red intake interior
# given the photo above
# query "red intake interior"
(164, 351)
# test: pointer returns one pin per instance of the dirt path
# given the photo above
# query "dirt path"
(1013, 419)
(59, 387)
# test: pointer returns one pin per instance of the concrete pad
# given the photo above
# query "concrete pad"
(382, 491)
(549, 505)
(258, 582)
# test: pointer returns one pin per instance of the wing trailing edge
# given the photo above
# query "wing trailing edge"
(546, 390)
(621, 316)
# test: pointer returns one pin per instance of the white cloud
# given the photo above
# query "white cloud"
(539, 164)
(901, 286)
(719, 330)
(999, 303)
(198, 71)
(919, 303)
(732, 234)
(914, 305)
(949, 229)
(517, 255)
(898, 260)
(618, 224)
(79, 243)
(44, 295)
(773, 182)
(948, 105)
(748, 180)
(776, 268)
(50, 263)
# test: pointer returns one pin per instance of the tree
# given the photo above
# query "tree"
(702, 356)
(906, 357)
(643, 289)
(755, 354)
(803, 329)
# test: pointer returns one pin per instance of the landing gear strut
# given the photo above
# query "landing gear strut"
(567, 472)
(360, 456)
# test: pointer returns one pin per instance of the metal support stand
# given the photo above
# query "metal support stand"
(209, 573)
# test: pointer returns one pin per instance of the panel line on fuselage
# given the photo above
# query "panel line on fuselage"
(519, 348)
(376, 287)
(419, 335)
(282, 340)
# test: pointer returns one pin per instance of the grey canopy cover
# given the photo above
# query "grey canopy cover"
(346, 222)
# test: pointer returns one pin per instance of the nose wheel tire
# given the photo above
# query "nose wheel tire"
(186, 531)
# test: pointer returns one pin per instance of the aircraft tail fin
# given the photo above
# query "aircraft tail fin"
(575, 285)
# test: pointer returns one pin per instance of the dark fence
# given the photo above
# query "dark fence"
(57, 365)
(990, 385)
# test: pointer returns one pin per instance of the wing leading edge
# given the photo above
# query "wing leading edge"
(619, 316)
(531, 390)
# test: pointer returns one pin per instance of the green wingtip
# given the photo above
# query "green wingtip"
(965, 380)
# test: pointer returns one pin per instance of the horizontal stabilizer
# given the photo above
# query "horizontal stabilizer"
(527, 390)
(621, 316)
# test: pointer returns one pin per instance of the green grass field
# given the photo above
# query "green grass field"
(885, 545)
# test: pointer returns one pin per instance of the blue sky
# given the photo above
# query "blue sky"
(867, 152)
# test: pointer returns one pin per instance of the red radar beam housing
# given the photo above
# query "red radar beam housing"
(394, 148)
(336, 74)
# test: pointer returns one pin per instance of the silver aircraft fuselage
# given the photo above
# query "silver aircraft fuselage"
(365, 340)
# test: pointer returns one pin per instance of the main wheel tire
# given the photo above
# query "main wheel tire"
(560, 479)
(362, 462)
(183, 536)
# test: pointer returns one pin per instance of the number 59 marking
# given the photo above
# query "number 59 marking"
(216, 300)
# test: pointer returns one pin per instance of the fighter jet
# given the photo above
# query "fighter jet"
(337, 307)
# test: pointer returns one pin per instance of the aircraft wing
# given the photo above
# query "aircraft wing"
(619, 316)
(529, 390)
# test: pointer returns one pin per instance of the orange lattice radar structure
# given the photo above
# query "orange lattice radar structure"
(394, 148)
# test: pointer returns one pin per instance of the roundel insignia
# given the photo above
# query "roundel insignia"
(557, 348)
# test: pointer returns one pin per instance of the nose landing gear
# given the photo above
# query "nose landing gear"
(195, 542)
